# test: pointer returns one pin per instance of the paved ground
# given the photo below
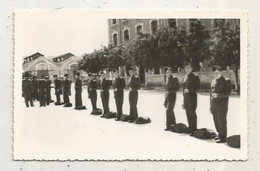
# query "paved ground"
(55, 132)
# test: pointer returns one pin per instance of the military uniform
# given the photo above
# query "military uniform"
(133, 97)
(105, 86)
(192, 83)
(27, 93)
(119, 86)
(66, 90)
(78, 91)
(48, 91)
(172, 86)
(42, 84)
(58, 90)
(92, 94)
(219, 105)
(34, 89)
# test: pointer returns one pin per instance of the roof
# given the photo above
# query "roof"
(62, 57)
(34, 56)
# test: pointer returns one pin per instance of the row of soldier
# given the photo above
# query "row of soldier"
(219, 95)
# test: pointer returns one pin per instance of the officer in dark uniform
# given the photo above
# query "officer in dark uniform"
(191, 84)
(119, 85)
(58, 91)
(48, 89)
(42, 85)
(92, 92)
(78, 91)
(219, 95)
(104, 93)
(172, 86)
(34, 88)
(66, 89)
(134, 86)
(26, 90)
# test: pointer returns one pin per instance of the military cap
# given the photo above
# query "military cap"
(102, 72)
(169, 68)
(42, 76)
(47, 76)
(65, 75)
(55, 76)
(216, 67)
(188, 65)
(78, 74)
(131, 68)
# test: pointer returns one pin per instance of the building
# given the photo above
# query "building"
(40, 65)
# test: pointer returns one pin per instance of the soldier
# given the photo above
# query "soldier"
(92, 93)
(66, 89)
(219, 95)
(48, 90)
(104, 93)
(34, 88)
(191, 85)
(172, 86)
(78, 91)
(42, 84)
(134, 85)
(26, 90)
(119, 86)
(58, 90)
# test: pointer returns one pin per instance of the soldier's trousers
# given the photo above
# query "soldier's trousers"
(42, 98)
(219, 110)
(28, 98)
(93, 99)
(170, 103)
(48, 97)
(58, 97)
(66, 98)
(78, 98)
(133, 98)
(119, 98)
(190, 105)
(105, 101)
(34, 95)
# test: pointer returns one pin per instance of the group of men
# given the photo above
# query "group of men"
(220, 91)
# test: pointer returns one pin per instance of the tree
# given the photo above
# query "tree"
(114, 56)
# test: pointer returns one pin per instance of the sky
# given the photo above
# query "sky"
(54, 34)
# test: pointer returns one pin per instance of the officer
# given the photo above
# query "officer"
(172, 86)
(66, 89)
(219, 95)
(42, 85)
(191, 84)
(58, 90)
(104, 93)
(34, 88)
(134, 85)
(119, 85)
(48, 90)
(78, 91)
(26, 90)
(92, 92)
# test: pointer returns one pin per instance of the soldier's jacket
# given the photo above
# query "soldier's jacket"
(42, 85)
(57, 84)
(92, 86)
(67, 86)
(48, 84)
(26, 86)
(105, 84)
(191, 82)
(172, 84)
(119, 84)
(221, 87)
(134, 83)
(34, 85)
(78, 84)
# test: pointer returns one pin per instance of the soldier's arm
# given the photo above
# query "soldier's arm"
(137, 84)
(176, 85)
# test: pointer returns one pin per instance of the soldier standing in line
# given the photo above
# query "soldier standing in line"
(119, 86)
(42, 84)
(48, 89)
(172, 86)
(134, 86)
(26, 90)
(78, 91)
(58, 90)
(219, 95)
(104, 93)
(34, 88)
(92, 92)
(191, 84)
(66, 89)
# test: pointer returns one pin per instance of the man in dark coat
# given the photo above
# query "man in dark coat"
(119, 85)
(66, 89)
(78, 91)
(219, 95)
(48, 89)
(34, 88)
(172, 86)
(92, 92)
(191, 84)
(104, 93)
(42, 84)
(26, 91)
(58, 90)
(134, 86)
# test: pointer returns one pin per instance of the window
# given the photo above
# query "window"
(126, 35)
(113, 21)
(115, 39)
(124, 19)
(154, 26)
(139, 29)
(172, 23)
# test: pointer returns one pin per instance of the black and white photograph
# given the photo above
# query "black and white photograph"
(132, 85)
